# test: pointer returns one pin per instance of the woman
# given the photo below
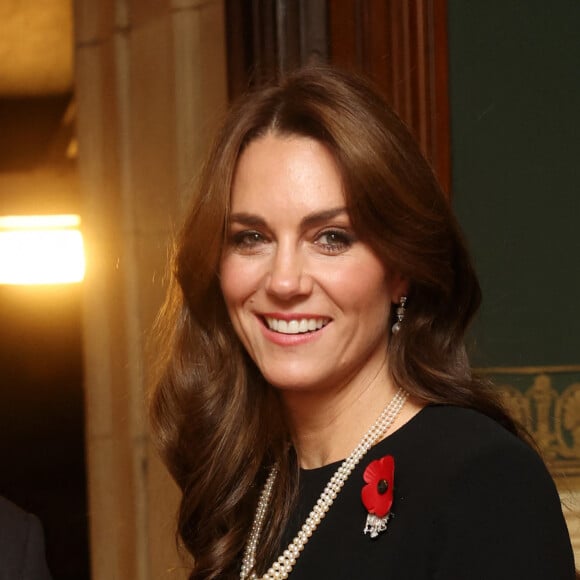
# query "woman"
(316, 405)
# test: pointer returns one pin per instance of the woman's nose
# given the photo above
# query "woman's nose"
(287, 277)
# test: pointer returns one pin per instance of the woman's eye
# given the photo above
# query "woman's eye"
(334, 241)
(247, 240)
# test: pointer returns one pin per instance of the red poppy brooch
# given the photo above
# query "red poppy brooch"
(377, 494)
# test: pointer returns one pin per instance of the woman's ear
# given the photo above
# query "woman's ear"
(399, 287)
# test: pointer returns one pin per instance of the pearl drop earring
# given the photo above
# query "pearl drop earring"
(400, 313)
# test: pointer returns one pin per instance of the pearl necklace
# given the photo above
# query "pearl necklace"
(284, 564)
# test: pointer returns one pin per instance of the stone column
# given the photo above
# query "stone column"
(151, 83)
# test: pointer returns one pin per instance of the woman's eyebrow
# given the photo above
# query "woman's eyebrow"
(318, 217)
(247, 219)
(312, 219)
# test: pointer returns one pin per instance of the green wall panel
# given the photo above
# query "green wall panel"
(515, 125)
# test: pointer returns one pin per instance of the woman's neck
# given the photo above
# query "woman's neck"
(327, 424)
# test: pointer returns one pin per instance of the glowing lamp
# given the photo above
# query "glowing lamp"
(41, 249)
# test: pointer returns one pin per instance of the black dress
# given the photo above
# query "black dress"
(471, 501)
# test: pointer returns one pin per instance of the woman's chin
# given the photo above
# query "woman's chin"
(295, 383)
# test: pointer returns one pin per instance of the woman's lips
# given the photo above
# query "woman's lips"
(295, 324)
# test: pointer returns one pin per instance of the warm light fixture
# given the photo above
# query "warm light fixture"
(41, 249)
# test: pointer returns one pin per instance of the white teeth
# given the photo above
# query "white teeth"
(293, 327)
(296, 326)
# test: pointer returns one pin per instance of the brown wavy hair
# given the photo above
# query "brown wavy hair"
(219, 425)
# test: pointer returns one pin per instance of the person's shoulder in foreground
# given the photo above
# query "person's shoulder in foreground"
(21, 545)
(496, 498)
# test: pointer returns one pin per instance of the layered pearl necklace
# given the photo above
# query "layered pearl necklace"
(284, 564)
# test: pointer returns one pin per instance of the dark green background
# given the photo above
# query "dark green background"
(515, 124)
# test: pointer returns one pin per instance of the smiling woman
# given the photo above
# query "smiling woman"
(314, 381)
(307, 298)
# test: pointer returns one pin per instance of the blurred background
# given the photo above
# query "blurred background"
(106, 108)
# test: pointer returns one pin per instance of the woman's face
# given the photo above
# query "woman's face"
(309, 301)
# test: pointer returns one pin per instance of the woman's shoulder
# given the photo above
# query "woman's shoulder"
(488, 488)
(458, 443)
(478, 484)
(458, 431)
(474, 465)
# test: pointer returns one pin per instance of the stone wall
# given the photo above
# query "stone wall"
(150, 84)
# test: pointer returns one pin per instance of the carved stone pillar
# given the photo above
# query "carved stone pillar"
(150, 80)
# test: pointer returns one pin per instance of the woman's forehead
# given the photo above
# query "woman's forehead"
(292, 170)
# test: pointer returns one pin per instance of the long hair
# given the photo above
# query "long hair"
(218, 424)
